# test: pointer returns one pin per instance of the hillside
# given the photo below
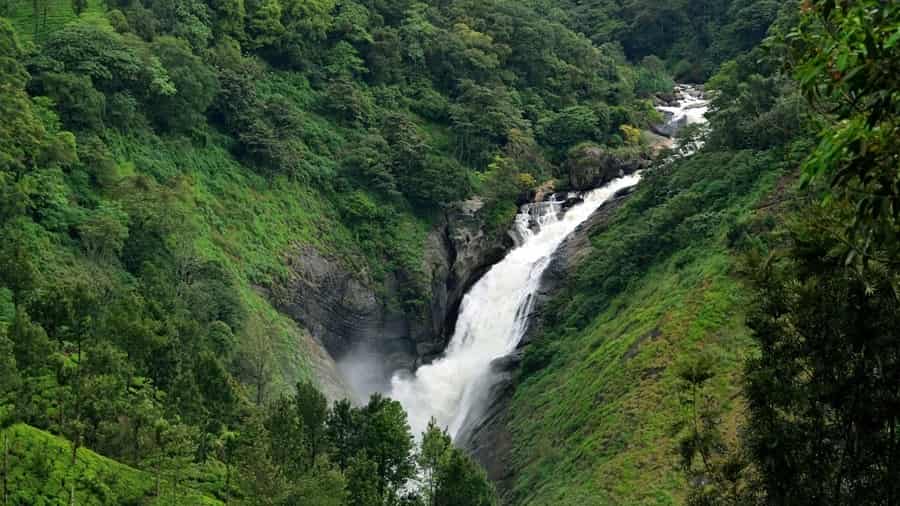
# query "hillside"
(601, 403)
(41, 471)
(175, 172)
(233, 230)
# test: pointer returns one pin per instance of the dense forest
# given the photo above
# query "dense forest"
(159, 159)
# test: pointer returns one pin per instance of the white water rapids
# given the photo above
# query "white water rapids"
(692, 106)
(493, 314)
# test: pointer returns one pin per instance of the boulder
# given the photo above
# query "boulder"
(669, 126)
(571, 201)
(591, 166)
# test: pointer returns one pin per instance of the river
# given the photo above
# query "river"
(493, 314)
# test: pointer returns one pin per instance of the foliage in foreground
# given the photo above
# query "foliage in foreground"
(822, 391)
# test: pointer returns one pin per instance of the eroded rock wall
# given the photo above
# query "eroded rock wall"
(358, 320)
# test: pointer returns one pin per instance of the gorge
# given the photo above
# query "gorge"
(494, 313)
(449, 252)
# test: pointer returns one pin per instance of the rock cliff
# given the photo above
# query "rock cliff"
(591, 166)
(350, 315)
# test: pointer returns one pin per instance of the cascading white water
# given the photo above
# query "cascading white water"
(691, 108)
(493, 315)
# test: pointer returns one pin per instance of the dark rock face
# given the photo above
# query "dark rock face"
(592, 166)
(668, 128)
(470, 252)
(572, 201)
(487, 436)
(349, 314)
(341, 309)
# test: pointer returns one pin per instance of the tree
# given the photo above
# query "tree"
(264, 23)
(255, 358)
(387, 441)
(112, 62)
(363, 481)
(312, 410)
(822, 393)
(570, 126)
(435, 443)
(287, 437)
(461, 481)
(230, 17)
(227, 446)
(481, 120)
(79, 6)
(369, 161)
(702, 439)
(847, 61)
(342, 431)
(21, 132)
(9, 383)
(171, 452)
(185, 19)
(103, 232)
(439, 180)
(31, 346)
(323, 486)
(195, 83)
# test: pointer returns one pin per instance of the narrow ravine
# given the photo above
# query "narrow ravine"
(493, 315)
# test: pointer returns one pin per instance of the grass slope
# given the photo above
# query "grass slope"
(607, 414)
(35, 19)
(41, 473)
(599, 424)
(247, 223)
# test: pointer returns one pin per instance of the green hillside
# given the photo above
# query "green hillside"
(35, 20)
(599, 414)
(729, 339)
(41, 471)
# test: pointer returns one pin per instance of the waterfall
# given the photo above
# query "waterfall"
(690, 109)
(493, 314)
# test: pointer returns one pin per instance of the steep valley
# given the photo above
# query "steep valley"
(449, 252)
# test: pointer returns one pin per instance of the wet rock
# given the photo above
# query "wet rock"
(669, 127)
(485, 434)
(667, 99)
(592, 166)
(345, 310)
(341, 308)
(470, 251)
(572, 201)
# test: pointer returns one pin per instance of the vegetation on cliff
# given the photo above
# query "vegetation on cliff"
(731, 340)
(733, 337)
(160, 160)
